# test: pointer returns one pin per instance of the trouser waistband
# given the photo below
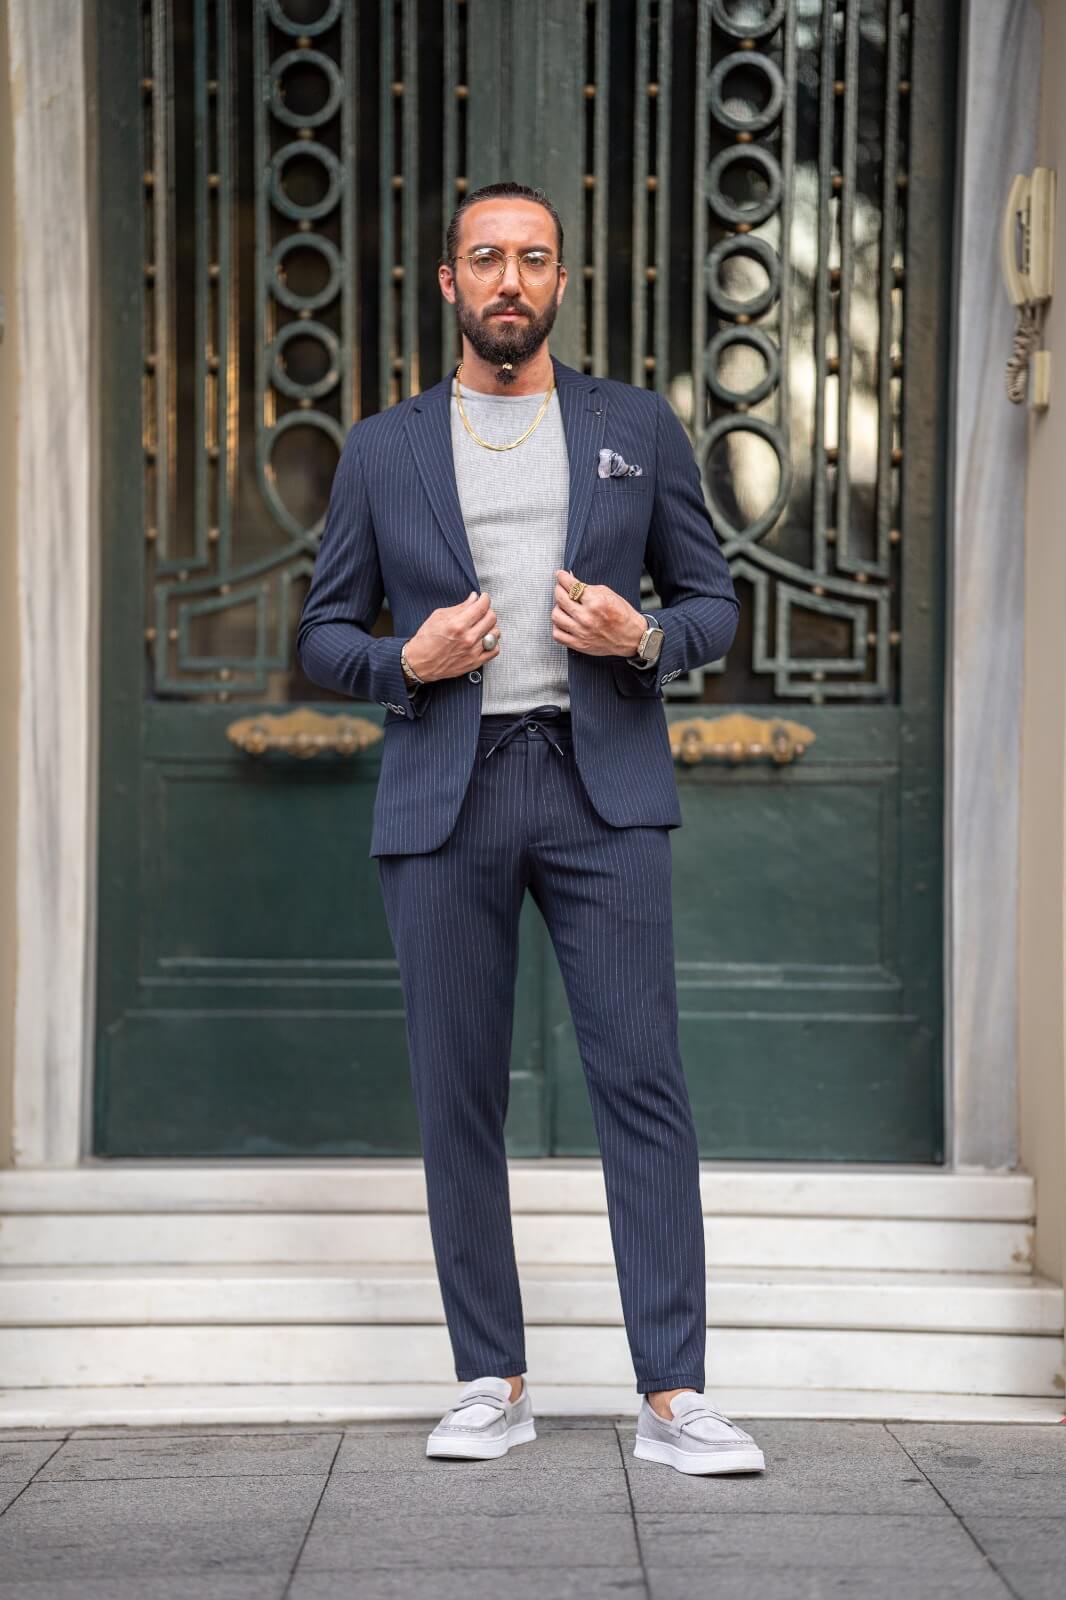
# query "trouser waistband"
(502, 727)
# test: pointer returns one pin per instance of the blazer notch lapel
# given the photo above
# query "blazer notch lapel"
(583, 406)
(429, 434)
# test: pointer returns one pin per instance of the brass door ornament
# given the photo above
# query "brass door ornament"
(303, 733)
(738, 738)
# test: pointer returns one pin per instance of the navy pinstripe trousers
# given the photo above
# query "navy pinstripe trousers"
(605, 895)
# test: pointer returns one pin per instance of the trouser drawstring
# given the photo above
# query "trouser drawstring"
(528, 720)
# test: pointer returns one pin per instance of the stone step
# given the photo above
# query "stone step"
(782, 1242)
(559, 1353)
(193, 1407)
(323, 1292)
(539, 1186)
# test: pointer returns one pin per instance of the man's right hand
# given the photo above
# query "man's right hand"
(449, 641)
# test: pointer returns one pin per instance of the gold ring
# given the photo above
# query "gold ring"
(577, 589)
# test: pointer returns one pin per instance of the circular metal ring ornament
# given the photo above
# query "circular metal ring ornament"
(299, 27)
(775, 99)
(738, 155)
(320, 386)
(313, 151)
(719, 430)
(305, 58)
(754, 339)
(748, 29)
(322, 422)
(742, 244)
(330, 254)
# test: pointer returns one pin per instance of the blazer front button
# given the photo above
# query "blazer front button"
(475, 676)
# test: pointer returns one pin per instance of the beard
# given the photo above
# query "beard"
(503, 345)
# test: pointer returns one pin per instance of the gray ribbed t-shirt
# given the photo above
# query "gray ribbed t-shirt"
(515, 505)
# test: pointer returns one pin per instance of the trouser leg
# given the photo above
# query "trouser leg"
(606, 896)
(453, 915)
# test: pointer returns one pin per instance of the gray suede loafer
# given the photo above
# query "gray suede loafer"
(698, 1439)
(484, 1423)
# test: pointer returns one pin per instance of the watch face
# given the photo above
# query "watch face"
(654, 645)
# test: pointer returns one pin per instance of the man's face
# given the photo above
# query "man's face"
(506, 320)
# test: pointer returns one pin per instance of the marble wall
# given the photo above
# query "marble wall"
(9, 655)
(56, 691)
(1042, 990)
(997, 131)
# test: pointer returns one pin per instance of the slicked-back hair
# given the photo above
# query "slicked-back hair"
(496, 191)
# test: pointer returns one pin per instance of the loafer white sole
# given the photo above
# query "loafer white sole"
(703, 1461)
(480, 1449)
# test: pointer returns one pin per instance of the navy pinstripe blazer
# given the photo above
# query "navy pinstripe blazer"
(395, 527)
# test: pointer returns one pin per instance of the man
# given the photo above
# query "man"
(507, 513)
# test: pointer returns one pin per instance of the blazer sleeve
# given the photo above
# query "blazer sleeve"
(334, 645)
(700, 609)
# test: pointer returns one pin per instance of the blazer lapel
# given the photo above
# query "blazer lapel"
(582, 407)
(429, 431)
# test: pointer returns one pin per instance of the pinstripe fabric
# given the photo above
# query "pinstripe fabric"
(394, 526)
(605, 893)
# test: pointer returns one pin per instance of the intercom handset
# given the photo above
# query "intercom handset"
(1027, 247)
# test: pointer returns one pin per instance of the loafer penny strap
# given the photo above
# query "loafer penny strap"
(480, 1397)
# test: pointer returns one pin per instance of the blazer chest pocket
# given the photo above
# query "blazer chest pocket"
(638, 483)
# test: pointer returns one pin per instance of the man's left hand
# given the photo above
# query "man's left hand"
(601, 623)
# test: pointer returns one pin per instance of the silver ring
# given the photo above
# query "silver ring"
(489, 641)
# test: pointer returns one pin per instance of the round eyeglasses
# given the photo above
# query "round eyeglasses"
(487, 264)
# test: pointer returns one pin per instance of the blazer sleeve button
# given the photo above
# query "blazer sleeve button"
(475, 676)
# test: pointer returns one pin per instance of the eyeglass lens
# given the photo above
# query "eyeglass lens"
(533, 265)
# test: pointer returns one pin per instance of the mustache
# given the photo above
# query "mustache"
(517, 310)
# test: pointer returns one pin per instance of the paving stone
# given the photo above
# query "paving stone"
(826, 1466)
(383, 1452)
(742, 1583)
(143, 1586)
(478, 1583)
(566, 1424)
(32, 1435)
(467, 1487)
(762, 1542)
(1030, 1552)
(544, 1424)
(1023, 1494)
(193, 1456)
(1016, 1469)
(432, 1542)
(994, 1445)
(417, 1425)
(20, 1459)
(178, 1430)
(220, 1513)
(9, 1493)
(152, 1528)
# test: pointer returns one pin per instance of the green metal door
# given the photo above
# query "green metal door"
(755, 198)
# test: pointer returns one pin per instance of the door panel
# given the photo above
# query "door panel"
(755, 198)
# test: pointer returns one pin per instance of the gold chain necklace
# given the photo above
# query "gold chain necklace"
(459, 402)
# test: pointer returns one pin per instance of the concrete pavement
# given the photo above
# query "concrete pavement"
(313, 1512)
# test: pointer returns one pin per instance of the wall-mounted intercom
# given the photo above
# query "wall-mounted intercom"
(1028, 260)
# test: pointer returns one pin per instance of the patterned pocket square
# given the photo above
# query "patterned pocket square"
(612, 466)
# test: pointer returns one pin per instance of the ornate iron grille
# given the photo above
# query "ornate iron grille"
(736, 239)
